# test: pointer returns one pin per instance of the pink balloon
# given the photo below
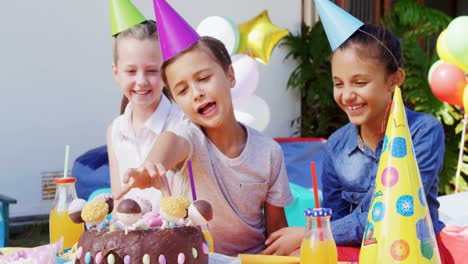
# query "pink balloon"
(447, 83)
(247, 75)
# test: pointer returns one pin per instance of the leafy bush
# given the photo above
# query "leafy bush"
(312, 78)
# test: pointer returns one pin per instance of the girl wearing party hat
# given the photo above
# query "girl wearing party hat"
(367, 66)
(237, 169)
(136, 67)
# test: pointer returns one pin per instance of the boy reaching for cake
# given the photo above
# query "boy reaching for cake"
(237, 169)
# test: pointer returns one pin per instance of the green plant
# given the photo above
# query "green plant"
(312, 78)
(417, 27)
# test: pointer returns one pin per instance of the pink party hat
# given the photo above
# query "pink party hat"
(175, 34)
(338, 24)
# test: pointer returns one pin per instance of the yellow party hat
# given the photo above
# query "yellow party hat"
(399, 227)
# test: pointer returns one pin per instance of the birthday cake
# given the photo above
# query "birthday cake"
(171, 235)
(181, 244)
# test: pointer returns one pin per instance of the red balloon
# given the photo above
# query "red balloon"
(447, 83)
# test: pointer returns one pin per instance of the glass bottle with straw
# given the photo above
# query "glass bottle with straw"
(205, 227)
(318, 245)
(60, 224)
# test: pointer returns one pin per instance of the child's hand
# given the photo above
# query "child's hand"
(284, 241)
(148, 175)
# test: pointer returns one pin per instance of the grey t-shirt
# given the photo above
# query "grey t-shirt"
(237, 188)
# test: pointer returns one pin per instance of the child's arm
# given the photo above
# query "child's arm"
(167, 152)
(348, 222)
(113, 166)
(284, 241)
(280, 195)
(275, 218)
(115, 181)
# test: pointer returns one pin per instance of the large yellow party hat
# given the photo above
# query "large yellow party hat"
(399, 227)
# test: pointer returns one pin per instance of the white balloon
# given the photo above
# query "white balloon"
(221, 28)
(244, 118)
(247, 75)
(252, 111)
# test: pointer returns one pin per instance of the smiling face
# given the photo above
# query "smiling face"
(362, 88)
(201, 87)
(137, 71)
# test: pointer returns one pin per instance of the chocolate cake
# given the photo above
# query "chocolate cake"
(179, 244)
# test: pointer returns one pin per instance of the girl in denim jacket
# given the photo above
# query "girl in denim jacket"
(366, 68)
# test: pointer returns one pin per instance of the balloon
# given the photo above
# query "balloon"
(252, 111)
(465, 97)
(447, 83)
(431, 70)
(457, 41)
(247, 74)
(444, 53)
(221, 28)
(259, 36)
(245, 118)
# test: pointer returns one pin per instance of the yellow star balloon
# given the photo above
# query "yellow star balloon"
(259, 36)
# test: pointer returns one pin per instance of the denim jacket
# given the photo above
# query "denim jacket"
(350, 169)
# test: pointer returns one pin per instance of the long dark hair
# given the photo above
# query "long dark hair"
(378, 43)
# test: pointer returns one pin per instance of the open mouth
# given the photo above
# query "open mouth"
(207, 108)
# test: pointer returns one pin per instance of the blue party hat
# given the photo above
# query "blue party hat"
(339, 24)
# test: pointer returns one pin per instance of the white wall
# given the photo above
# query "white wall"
(57, 87)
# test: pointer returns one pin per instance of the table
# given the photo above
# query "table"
(216, 258)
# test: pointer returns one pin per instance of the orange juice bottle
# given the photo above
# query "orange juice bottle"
(208, 237)
(60, 224)
(318, 245)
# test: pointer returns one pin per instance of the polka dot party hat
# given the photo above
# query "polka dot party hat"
(399, 227)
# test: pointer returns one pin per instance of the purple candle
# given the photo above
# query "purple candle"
(192, 182)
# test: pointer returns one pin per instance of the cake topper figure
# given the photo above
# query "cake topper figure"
(75, 209)
(339, 25)
(200, 213)
(124, 15)
(173, 210)
(399, 227)
(128, 212)
(94, 212)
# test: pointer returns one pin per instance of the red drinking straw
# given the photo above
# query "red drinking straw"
(316, 197)
(192, 182)
(314, 184)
